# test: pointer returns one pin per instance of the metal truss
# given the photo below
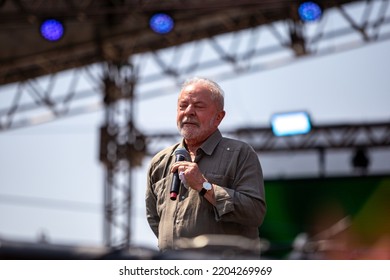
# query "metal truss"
(263, 140)
(263, 47)
(97, 30)
(339, 136)
(357, 138)
(121, 148)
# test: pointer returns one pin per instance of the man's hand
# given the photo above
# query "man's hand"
(190, 170)
(193, 178)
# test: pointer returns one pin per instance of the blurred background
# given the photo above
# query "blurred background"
(88, 94)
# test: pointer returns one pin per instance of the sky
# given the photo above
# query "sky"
(51, 180)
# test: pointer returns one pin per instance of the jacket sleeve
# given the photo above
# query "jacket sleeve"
(151, 203)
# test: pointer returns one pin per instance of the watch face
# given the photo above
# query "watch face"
(207, 186)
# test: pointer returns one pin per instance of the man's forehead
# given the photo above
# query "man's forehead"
(195, 92)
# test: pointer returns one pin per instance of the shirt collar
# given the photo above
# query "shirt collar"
(211, 143)
(208, 146)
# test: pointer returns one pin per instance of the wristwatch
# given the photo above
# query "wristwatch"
(206, 187)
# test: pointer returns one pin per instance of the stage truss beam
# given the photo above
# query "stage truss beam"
(327, 137)
(78, 91)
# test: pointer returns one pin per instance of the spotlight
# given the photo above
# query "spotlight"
(52, 30)
(291, 123)
(161, 23)
(309, 11)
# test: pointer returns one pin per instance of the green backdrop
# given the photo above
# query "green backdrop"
(311, 205)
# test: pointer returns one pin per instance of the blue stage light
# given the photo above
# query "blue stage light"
(309, 11)
(161, 23)
(291, 123)
(52, 29)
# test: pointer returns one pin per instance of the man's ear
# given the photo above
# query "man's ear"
(220, 116)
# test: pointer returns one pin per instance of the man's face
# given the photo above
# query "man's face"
(197, 114)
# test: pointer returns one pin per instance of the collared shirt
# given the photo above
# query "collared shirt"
(234, 169)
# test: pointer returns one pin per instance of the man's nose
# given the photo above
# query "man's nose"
(190, 110)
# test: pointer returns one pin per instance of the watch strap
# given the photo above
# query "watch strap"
(202, 192)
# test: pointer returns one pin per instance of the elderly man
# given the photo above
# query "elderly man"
(222, 189)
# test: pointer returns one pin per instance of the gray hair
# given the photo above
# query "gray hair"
(217, 93)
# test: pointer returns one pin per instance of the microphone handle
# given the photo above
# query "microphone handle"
(175, 186)
(176, 180)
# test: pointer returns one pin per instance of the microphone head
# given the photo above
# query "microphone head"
(173, 195)
(184, 153)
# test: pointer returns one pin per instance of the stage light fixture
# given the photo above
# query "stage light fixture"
(309, 11)
(360, 159)
(290, 123)
(52, 30)
(161, 23)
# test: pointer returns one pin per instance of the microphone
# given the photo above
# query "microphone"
(181, 155)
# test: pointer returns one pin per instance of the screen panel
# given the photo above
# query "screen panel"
(351, 212)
